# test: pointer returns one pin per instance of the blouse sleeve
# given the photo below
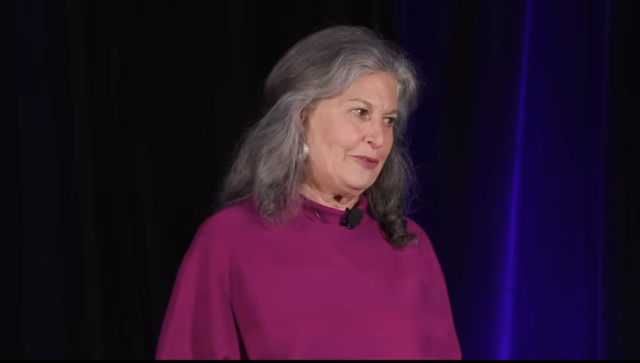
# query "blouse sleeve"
(199, 322)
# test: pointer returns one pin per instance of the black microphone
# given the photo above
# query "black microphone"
(353, 218)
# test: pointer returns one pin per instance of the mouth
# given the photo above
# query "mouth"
(367, 161)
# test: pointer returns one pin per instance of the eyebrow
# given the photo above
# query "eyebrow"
(368, 104)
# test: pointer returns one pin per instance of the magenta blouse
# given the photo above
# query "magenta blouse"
(309, 289)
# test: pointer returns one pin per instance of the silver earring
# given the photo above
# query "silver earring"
(305, 151)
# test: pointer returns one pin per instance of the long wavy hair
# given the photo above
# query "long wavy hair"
(269, 163)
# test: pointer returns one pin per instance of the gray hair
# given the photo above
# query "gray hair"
(270, 163)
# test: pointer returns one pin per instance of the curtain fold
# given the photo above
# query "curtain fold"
(523, 127)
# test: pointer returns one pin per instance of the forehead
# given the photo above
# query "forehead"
(373, 88)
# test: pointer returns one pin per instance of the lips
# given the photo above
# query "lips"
(367, 161)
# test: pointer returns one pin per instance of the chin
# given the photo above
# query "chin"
(360, 185)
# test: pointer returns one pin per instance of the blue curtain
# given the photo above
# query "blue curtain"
(512, 143)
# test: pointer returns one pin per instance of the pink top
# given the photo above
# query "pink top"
(309, 289)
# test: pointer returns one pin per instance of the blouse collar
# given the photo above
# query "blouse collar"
(323, 214)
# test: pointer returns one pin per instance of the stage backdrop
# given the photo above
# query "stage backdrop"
(530, 166)
(121, 117)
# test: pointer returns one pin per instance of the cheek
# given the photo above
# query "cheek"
(344, 140)
(332, 152)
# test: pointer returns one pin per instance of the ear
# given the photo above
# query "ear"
(304, 118)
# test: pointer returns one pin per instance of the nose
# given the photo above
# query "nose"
(376, 134)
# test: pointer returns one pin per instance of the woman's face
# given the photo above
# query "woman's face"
(350, 135)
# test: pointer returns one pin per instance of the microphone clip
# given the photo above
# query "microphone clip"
(352, 219)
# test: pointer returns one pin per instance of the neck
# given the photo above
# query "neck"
(340, 201)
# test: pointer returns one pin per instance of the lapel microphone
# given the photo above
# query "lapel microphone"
(353, 217)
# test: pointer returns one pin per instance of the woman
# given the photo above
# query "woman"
(311, 256)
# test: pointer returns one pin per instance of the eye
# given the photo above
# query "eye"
(361, 112)
(390, 121)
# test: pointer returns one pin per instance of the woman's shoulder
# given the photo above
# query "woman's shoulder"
(423, 241)
(225, 227)
(214, 243)
(231, 220)
(414, 227)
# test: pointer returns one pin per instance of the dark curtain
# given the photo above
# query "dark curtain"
(530, 167)
(121, 117)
